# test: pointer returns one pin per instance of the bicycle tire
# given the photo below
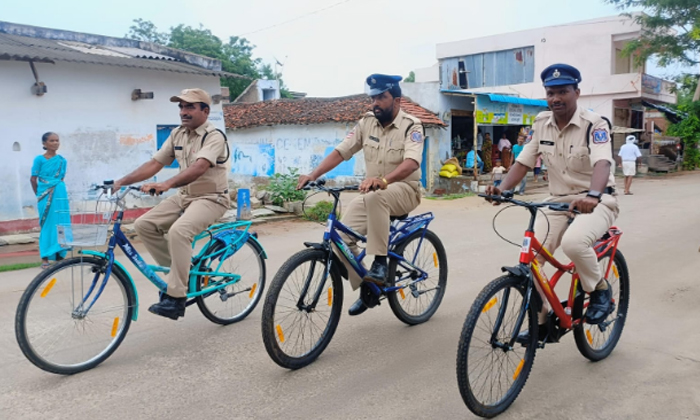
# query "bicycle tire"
(485, 302)
(119, 330)
(585, 334)
(272, 332)
(439, 259)
(205, 301)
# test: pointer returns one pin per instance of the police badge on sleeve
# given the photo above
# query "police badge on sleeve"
(600, 136)
(417, 136)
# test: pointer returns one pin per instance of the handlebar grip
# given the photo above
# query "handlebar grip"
(562, 207)
(152, 191)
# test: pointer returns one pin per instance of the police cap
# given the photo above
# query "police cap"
(380, 83)
(560, 75)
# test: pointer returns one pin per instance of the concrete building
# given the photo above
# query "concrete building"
(492, 84)
(107, 98)
(276, 136)
(511, 64)
(259, 90)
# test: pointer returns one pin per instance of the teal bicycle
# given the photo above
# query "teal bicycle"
(74, 315)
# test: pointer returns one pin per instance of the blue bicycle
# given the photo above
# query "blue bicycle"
(74, 315)
(302, 308)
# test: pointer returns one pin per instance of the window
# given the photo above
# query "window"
(268, 94)
(463, 83)
(163, 132)
(496, 68)
(622, 63)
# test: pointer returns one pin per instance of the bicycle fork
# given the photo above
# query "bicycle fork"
(321, 285)
(80, 312)
(524, 307)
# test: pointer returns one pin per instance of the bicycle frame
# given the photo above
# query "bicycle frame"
(398, 231)
(228, 234)
(528, 257)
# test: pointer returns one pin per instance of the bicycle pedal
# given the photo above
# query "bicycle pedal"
(370, 294)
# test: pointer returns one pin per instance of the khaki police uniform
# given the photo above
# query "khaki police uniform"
(385, 148)
(570, 158)
(195, 207)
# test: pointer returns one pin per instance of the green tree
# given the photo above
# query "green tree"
(670, 31)
(236, 55)
(689, 131)
(145, 30)
(686, 84)
(411, 78)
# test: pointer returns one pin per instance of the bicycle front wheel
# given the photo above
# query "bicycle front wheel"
(417, 302)
(596, 342)
(295, 331)
(236, 301)
(55, 327)
(491, 374)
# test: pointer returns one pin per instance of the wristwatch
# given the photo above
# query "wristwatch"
(595, 194)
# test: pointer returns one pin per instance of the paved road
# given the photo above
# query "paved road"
(378, 368)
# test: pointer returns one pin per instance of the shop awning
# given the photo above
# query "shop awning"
(670, 114)
(497, 97)
(516, 100)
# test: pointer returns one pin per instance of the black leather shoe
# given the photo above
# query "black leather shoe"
(524, 337)
(600, 305)
(357, 308)
(377, 274)
(169, 307)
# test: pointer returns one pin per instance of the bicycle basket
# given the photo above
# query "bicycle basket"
(84, 219)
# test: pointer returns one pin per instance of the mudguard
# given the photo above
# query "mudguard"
(337, 265)
(523, 272)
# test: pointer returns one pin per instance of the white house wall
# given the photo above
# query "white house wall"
(104, 134)
(264, 151)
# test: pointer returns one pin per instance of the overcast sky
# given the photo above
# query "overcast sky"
(330, 46)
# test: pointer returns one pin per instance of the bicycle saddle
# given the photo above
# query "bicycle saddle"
(402, 217)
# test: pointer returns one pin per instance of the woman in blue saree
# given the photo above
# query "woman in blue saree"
(48, 172)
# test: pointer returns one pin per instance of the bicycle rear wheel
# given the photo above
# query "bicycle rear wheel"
(596, 342)
(54, 329)
(294, 334)
(489, 373)
(234, 302)
(418, 302)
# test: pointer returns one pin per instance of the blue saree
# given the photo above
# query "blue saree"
(52, 202)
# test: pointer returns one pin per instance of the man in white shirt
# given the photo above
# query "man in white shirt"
(629, 158)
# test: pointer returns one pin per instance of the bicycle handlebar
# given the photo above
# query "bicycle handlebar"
(508, 198)
(320, 185)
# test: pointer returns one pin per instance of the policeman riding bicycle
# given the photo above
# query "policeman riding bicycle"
(203, 157)
(392, 142)
(575, 144)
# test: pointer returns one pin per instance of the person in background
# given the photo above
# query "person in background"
(497, 173)
(469, 162)
(480, 144)
(487, 153)
(629, 159)
(504, 147)
(516, 152)
(538, 168)
(48, 172)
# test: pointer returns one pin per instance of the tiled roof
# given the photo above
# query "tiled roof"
(24, 48)
(314, 111)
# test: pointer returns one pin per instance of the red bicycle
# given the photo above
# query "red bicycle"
(492, 364)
